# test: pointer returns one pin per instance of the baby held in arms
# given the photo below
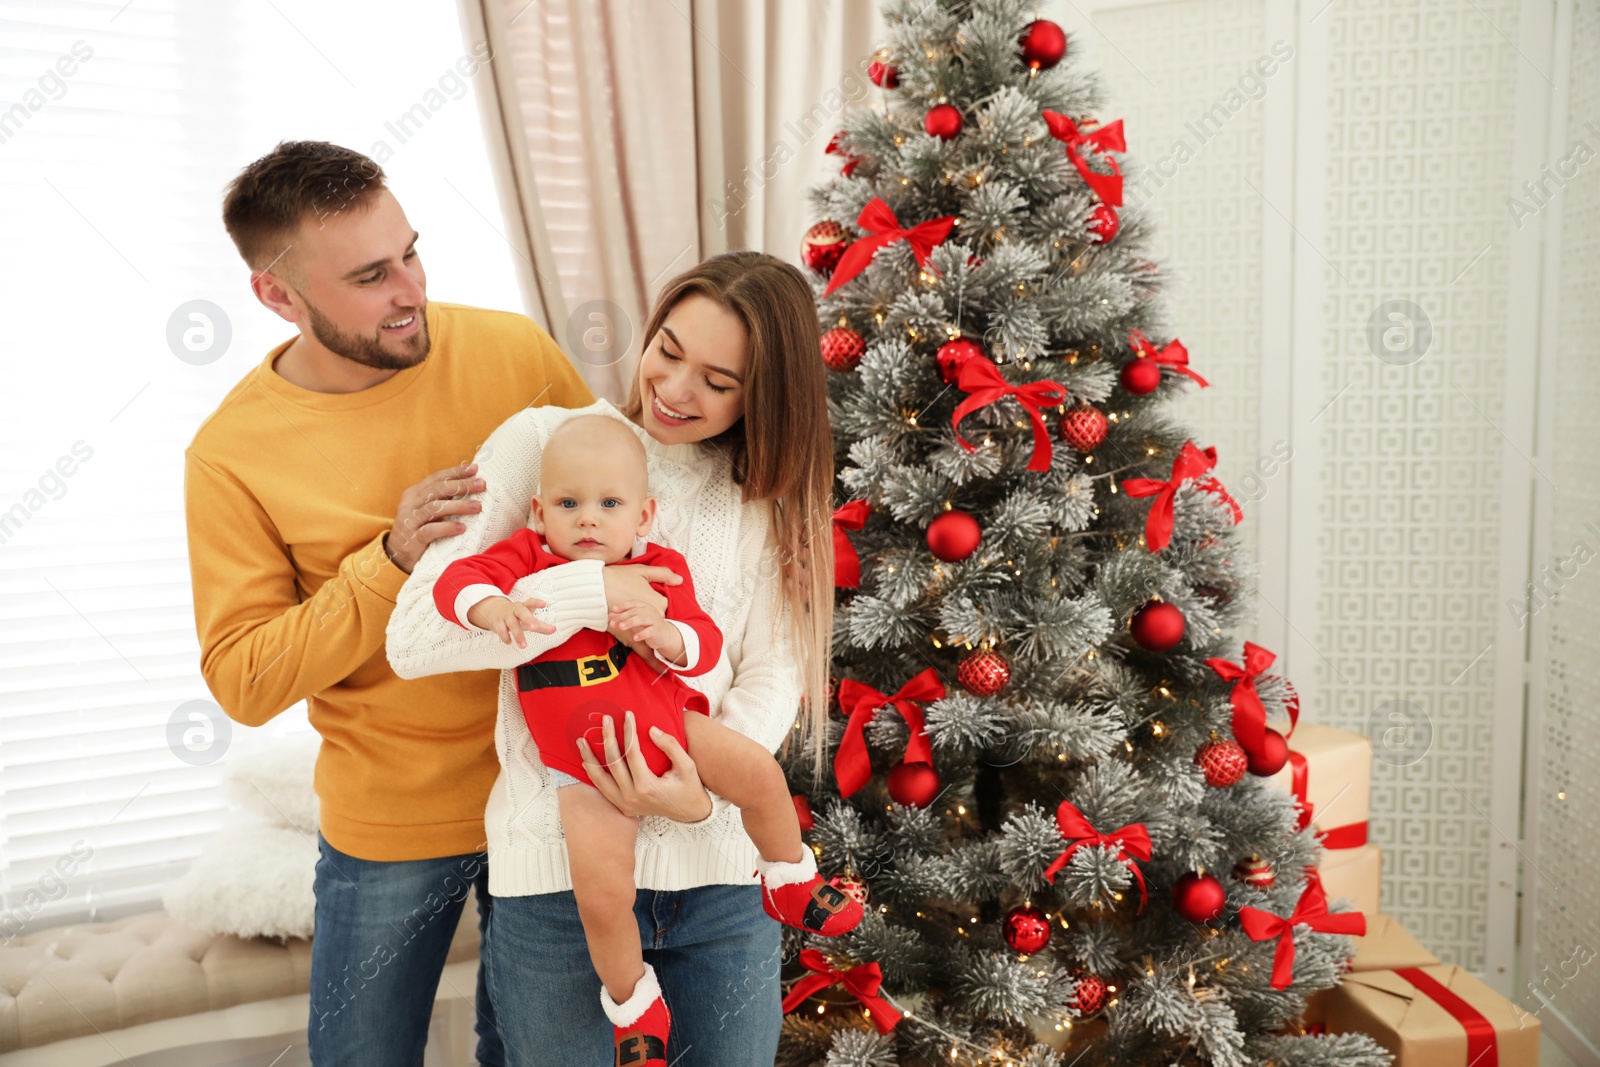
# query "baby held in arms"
(594, 503)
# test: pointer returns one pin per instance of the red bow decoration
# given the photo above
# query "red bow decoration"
(1249, 715)
(1173, 355)
(836, 149)
(852, 766)
(1190, 462)
(981, 380)
(1105, 140)
(861, 982)
(1312, 909)
(877, 219)
(846, 562)
(1131, 842)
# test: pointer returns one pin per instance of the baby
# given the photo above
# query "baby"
(594, 503)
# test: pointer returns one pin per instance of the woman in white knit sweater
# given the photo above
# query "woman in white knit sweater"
(731, 404)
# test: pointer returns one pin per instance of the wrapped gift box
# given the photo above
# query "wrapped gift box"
(1417, 1014)
(1338, 781)
(1354, 874)
(1387, 946)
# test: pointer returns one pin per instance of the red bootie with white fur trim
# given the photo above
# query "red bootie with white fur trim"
(796, 895)
(640, 1024)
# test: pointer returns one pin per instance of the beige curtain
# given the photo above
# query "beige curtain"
(633, 138)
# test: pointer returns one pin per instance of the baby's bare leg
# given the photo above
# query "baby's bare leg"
(600, 841)
(733, 766)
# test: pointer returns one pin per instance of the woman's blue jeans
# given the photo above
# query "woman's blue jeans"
(715, 952)
(382, 933)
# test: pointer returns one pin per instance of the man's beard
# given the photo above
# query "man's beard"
(369, 351)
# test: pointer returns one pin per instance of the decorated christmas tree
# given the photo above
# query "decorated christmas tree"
(1045, 776)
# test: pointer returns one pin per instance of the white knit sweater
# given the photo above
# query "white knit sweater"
(755, 687)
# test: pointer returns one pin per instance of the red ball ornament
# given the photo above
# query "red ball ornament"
(1043, 44)
(914, 784)
(1103, 223)
(953, 355)
(1090, 995)
(943, 121)
(1255, 872)
(850, 886)
(1026, 930)
(883, 75)
(842, 348)
(953, 536)
(802, 809)
(983, 673)
(1083, 428)
(1140, 376)
(1157, 626)
(1222, 761)
(823, 246)
(1198, 897)
(1272, 755)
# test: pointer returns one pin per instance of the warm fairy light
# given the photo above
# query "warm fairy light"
(1156, 729)
(961, 809)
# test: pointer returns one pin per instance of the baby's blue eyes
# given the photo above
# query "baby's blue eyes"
(609, 502)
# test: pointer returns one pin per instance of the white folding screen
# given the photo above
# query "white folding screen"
(1334, 182)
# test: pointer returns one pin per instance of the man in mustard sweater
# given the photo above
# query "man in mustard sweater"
(310, 493)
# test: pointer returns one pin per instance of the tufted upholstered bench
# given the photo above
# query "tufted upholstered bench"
(99, 978)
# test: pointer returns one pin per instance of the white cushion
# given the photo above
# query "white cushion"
(272, 779)
(250, 881)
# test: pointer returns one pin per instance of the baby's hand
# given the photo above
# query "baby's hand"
(510, 620)
(646, 626)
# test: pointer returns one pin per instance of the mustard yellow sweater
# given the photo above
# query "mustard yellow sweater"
(288, 494)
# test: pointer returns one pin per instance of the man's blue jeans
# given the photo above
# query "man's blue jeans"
(382, 933)
(715, 952)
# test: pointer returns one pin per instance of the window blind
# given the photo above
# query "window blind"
(120, 124)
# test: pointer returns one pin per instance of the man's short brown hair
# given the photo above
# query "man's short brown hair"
(269, 198)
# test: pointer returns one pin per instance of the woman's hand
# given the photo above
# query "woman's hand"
(627, 781)
(632, 582)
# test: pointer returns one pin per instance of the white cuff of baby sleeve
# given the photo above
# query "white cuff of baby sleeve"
(470, 597)
(691, 647)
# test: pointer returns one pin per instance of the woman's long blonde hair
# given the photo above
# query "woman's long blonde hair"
(782, 448)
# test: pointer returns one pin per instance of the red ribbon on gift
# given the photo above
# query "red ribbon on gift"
(846, 563)
(1105, 140)
(861, 982)
(852, 766)
(1190, 462)
(1350, 835)
(1312, 910)
(980, 379)
(1174, 355)
(1249, 715)
(1482, 1048)
(878, 220)
(1131, 842)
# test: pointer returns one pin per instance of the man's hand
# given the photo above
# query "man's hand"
(648, 627)
(422, 517)
(509, 619)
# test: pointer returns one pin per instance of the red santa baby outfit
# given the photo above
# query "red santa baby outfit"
(568, 691)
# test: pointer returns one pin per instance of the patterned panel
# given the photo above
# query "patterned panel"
(1182, 77)
(1420, 117)
(1567, 572)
